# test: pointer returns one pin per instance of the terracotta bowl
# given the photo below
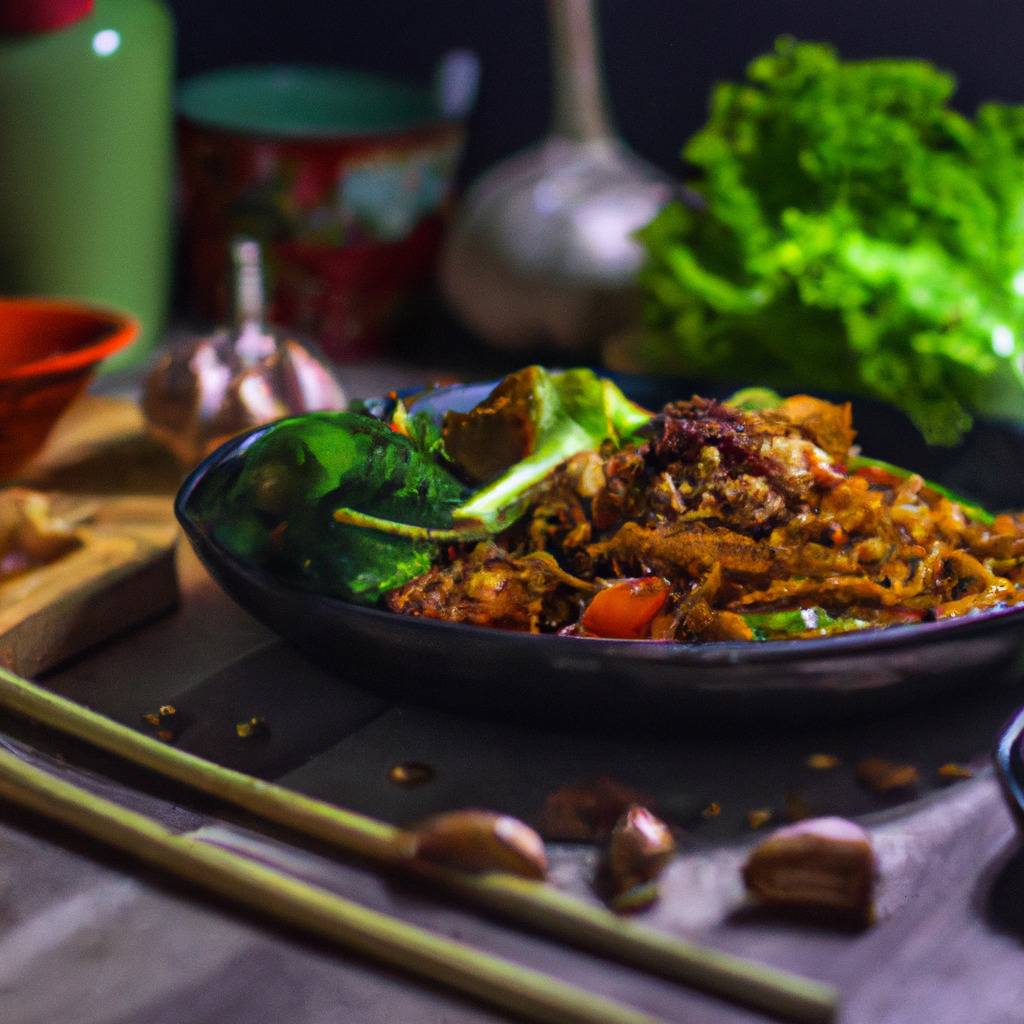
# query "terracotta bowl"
(49, 349)
(345, 178)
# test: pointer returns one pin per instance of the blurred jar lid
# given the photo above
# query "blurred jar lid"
(41, 15)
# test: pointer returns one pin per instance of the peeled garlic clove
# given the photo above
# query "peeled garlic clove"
(305, 382)
(641, 846)
(822, 864)
(184, 390)
(207, 366)
(258, 401)
(482, 841)
(249, 402)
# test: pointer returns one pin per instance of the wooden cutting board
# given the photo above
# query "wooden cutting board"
(94, 467)
(122, 574)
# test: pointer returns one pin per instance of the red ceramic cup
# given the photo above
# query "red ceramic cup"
(50, 349)
(345, 178)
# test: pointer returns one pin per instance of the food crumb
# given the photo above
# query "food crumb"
(758, 817)
(410, 773)
(713, 810)
(952, 772)
(252, 728)
(822, 762)
(884, 777)
(160, 717)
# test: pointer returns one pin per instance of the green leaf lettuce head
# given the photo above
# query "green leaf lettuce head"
(278, 511)
(858, 234)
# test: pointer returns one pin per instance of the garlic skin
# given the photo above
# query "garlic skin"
(205, 391)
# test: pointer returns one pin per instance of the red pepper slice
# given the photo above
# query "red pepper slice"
(877, 475)
(626, 609)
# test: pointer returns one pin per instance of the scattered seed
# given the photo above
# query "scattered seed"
(952, 772)
(252, 728)
(410, 773)
(758, 817)
(886, 777)
(822, 762)
(161, 717)
(713, 810)
(165, 735)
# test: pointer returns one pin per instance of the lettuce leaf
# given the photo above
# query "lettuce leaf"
(857, 234)
(566, 413)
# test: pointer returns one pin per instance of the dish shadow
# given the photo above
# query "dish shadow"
(1003, 895)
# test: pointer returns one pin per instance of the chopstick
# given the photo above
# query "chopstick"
(527, 993)
(531, 903)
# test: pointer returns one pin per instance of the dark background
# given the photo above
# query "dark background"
(661, 56)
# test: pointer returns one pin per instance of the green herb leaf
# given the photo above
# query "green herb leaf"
(279, 510)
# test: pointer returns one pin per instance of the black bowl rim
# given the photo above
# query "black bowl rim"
(1009, 763)
(723, 653)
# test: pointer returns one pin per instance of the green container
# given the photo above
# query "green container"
(86, 155)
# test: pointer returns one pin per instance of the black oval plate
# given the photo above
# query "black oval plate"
(478, 668)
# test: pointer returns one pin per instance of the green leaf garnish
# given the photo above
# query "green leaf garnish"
(799, 621)
(563, 414)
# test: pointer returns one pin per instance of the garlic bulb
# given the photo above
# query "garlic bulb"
(543, 250)
(208, 389)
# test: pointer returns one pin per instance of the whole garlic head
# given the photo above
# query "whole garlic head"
(209, 389)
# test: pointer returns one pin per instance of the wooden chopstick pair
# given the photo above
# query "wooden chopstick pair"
(525, 992)
(532, 903)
